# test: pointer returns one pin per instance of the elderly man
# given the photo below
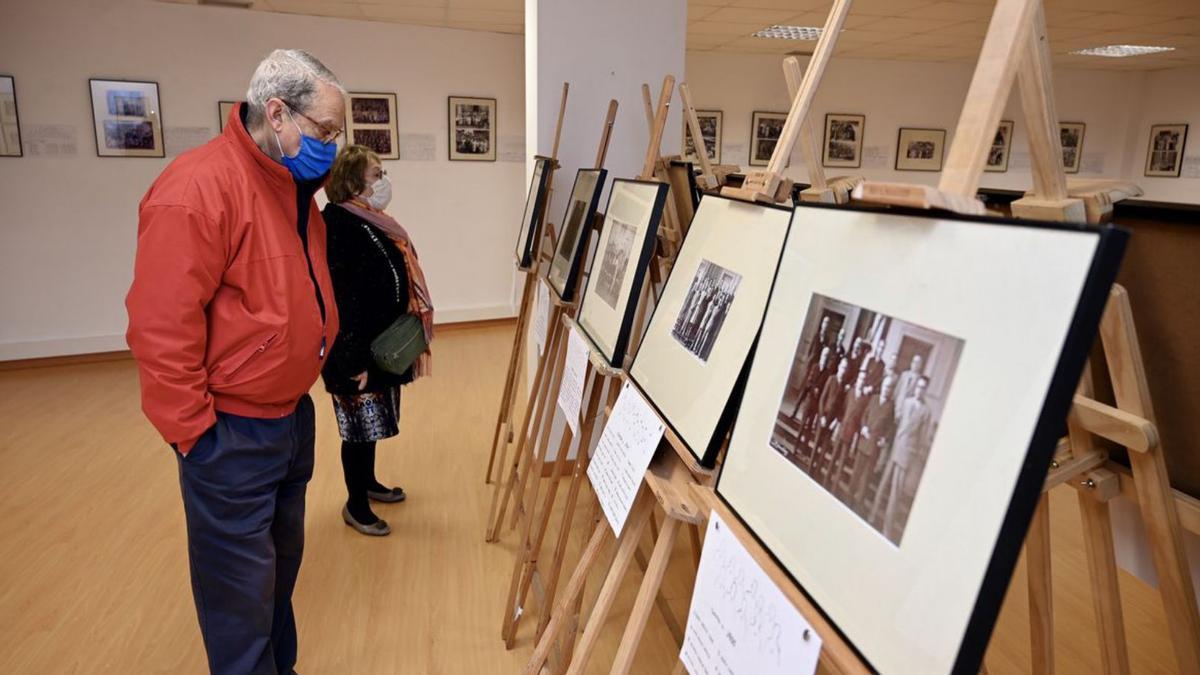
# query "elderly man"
(231, 314)
(914, 434)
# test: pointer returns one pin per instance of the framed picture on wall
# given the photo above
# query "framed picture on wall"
(127, 118)
(997, 159)
(765, 129)
(371, 122)
(1164, 157)
(710, 130)
(843, 140)
(224, 108)
(1071, 134)
(576, 232)
(10, 125)
(920, 149)
(907, 325)
(472, 123)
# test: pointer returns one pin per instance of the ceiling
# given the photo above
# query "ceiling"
(916, 30)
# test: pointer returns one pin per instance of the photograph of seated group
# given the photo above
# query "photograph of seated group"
(864, 397)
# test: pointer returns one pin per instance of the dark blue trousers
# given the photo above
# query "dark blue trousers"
(243, 490)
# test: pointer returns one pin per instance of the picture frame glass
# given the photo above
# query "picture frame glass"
(10, 124)
(127, 118)
(575, 230)
(371, 122)
(711, 122)
(765, 130)
(877, 534)
(1071, 137)
(472, 124)
(997, 159)
(700, 333)
(920, 149)
(623, 251)
(843, 140)
(1164, 155)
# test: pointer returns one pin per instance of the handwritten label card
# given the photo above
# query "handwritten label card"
(740, 622)
(570, 393)
(623, 455)
(541, 316)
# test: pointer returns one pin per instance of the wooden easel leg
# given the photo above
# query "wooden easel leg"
(550, 410)
(573, 621)
(608, 592)
(647, 593)
(1106, 592)
(503, 425)
(520, 463)
(1041, 607)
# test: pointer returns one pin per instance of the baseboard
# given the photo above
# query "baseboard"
(71, 360)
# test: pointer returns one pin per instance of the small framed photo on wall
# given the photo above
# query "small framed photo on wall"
(710, 131)
(843, 140)
(472, 123)
(997, 159)
(371, 122)
(920, 149)
(765, 129)
(1164, 157)
(224, 109)
(1071, 134)
(10, 126)
(127, 118)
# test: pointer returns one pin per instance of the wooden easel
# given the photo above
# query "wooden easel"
(823, 191)
(502, 434)
(526, 569)
(1097, 480)
(540, 409)
(708, 180)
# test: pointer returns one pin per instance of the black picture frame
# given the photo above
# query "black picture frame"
(566, 291)
(941, 148)
(1028, 489)
(707, 453)
(1073, 167)
(535, 202)
(755, 158)
(616, 358)
(155, 119)
(16, 123)
(391, 127)
(862, 125)
(222, 113)
(493, 126)
(1178, 169)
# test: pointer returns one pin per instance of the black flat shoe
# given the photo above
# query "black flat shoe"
(393, 495)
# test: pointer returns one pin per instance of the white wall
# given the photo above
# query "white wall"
(68, 225)
(1118, 108)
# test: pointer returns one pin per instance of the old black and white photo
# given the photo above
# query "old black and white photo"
(705, 307)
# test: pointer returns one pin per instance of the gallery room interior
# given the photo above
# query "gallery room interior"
(556, 336)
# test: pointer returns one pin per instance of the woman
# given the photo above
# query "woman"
(376, 279)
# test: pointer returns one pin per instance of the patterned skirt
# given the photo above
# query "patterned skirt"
(368, 416)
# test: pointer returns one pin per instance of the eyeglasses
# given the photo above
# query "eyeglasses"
(328, 135)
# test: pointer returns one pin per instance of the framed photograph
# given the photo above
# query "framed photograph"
(371, 122)
(1071, 134)
(573, 235)
(224, 109)
(710, 130)
(10, 123)
(898, 497)
(472, 129)
(127, 119)
(1164, 157)
(699, 337)
(606, 312)
(920, 149)
(997, 159)
(531, 219)
(765, 128)
(843, 140)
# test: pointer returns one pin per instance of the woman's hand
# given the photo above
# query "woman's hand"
(361, 379)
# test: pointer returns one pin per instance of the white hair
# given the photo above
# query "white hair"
(290, 75)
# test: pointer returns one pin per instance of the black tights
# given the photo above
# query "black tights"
(358, 466)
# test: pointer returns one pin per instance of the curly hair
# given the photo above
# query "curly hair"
(346, 176)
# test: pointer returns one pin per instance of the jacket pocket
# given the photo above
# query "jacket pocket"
(245, 359)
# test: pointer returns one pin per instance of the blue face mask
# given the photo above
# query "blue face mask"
(314, 158)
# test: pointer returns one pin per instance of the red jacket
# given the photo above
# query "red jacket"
(223, 311)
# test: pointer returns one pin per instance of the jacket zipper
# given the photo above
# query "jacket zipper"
(305, 242)
(250, 357)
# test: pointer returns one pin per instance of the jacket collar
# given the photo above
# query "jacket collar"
(236, 132)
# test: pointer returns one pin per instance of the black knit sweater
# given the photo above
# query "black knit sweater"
(370, 284)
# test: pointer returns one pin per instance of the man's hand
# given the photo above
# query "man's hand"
(361, 379)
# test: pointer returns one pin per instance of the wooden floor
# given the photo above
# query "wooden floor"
(93, 569)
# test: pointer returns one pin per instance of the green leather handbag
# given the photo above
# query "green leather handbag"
(397, 347)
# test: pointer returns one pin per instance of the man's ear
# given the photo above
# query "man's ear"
(275, 111)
